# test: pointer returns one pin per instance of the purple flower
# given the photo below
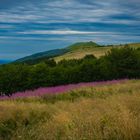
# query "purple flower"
(57, 89)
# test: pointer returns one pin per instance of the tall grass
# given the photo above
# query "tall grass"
(110, 112)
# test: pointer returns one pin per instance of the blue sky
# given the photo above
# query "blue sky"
(30, 26)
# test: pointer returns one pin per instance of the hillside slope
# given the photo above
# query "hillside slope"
(78, 50)
(82, 45)
(35, 58)
(42, 56)
(74, 51)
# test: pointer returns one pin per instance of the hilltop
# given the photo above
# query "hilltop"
(82, 45)
(35, 58)
(79, 50)
(74, 51)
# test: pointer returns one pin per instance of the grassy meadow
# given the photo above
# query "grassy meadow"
(82, 52)
(101, 112)
(96, 51)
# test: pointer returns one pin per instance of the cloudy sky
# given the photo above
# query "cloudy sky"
(30, 26)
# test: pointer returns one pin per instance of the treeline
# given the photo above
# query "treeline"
(117, 63)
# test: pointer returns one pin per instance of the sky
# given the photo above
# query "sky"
(31, 26)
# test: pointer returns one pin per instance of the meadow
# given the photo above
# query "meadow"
(80, 53)
(96, 51)
(103, 111)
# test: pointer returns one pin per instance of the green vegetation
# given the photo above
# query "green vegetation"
(75, 51)
(37, 58)
(79, 50)
(101, 112)
(83, 45)
(116, 64)
(42, 56)
(107, 112)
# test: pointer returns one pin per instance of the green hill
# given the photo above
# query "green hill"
(74, 51)
(83, 45)
(38, 57)
(79, 50)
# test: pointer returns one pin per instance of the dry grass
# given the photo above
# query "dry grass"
(81, 53)
(96, 51)
(113, 113)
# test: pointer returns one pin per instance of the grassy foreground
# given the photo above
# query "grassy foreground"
(106, 112)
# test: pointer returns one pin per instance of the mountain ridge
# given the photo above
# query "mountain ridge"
(73, 50)
(57, 52)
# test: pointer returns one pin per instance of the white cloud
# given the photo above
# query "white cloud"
(66, 32)
(58, 32)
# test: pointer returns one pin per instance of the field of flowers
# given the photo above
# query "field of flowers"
(57, 89)
(86, 111)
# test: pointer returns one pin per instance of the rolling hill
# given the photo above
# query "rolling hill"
(74, 51)
(42, 56)
(35, 58)
(82, 45)
(79, 50)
